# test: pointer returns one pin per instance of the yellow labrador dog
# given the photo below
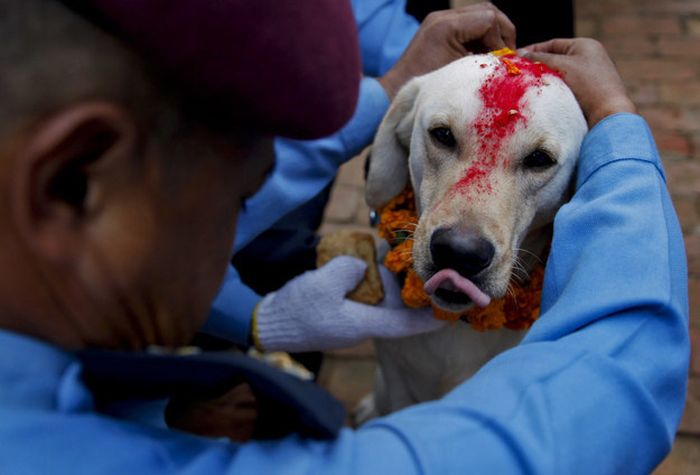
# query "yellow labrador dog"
(489, 145)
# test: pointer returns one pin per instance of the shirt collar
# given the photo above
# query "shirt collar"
(37, 374)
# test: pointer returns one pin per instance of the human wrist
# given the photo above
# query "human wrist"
(392, 82)
(275, 327)
(608, 108)
(254, 336)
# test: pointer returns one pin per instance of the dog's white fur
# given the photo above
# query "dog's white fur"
(514, 216)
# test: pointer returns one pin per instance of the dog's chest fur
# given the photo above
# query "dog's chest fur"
(425, 367)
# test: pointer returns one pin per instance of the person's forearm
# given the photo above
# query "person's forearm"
(385, 31)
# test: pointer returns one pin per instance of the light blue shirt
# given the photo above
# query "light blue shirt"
(597, 386)
(305, 168)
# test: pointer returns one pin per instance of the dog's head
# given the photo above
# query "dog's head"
(490, 148)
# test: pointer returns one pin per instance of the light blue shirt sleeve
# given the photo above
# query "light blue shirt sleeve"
(385, 30)
(597, 386)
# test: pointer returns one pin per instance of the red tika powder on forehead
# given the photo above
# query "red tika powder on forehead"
(502, 96)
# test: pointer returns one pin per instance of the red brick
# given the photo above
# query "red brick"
(688, 210)
(644, 94)
(608, 7)
(679, 47)
(687, 93)
(587, 28)
(666, 118)
(694, 296)
(695, 140)
(617, 7)
(596, 8)
(671, 118)
(690, 423)
(629, 46)
(684, 7)
(683, 177)
(635, 25)
(634, 70)
(673, 142)
(684, 458)
(692, 26)
(695, 351)
(692, 249)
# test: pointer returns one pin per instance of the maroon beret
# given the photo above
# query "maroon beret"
(286, 67)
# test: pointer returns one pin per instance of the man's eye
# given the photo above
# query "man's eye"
(538, 160)
(444, 136)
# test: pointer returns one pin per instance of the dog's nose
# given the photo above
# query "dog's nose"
(465, 252)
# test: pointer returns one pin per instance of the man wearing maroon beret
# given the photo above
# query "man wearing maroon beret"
(275, 245)
(129, 133)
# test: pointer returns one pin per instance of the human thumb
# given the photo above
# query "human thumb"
(554, 61)
(342, 272)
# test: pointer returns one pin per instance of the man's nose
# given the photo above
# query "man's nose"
(466, 252)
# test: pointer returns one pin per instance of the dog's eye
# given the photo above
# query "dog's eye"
(538, 160)
(444, 136)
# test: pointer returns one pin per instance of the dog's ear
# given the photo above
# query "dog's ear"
(388, 166)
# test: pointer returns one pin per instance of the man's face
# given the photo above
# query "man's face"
(114, 238)
(199, 211)
(169, 245)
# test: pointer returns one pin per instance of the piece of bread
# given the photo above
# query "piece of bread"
(360, 245)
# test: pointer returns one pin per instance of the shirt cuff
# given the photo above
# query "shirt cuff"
(370, 110)
(232, 310)
(622, 136)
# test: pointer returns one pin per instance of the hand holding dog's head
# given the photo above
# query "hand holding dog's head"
(589, 72)
(445, 36)
(489, 153)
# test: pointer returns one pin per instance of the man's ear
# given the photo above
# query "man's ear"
(388, 166)
(60, 168)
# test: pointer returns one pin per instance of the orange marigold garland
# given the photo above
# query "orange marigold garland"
(412, 292)
(517, 310)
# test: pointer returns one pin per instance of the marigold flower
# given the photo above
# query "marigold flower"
(400, 258)
(412, 292)
(517, 310)
(397, 225)
(441, 314)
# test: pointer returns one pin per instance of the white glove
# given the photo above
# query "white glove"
(311, 313)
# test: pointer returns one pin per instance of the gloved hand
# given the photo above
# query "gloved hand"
(311, 313)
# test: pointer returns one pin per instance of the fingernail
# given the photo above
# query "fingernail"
(524, 52)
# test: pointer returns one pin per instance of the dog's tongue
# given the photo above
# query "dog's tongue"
(451, 280)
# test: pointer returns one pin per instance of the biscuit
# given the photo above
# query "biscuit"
(361, 246)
